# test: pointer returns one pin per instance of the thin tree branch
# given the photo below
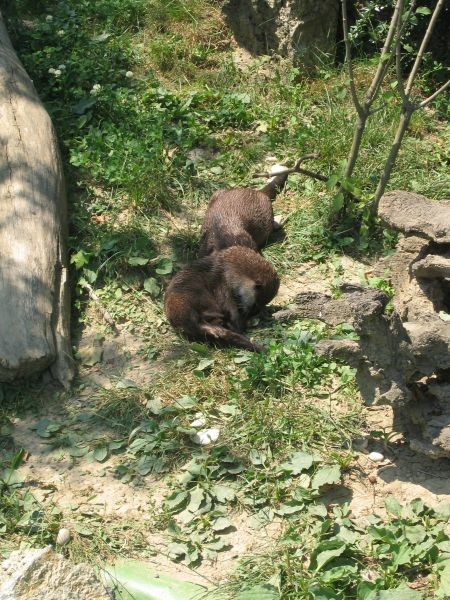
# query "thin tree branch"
(423, 46)
(398, 60)
(427, 101)
(348, 58)
(393, 153)
(383, 62)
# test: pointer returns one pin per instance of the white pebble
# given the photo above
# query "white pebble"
(376, 456)
(205, 436)
(199, 422)
(63, 536)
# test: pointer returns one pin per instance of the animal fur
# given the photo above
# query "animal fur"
(212, 298)
(240, 217)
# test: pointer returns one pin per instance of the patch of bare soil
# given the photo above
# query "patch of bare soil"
(403, 473)
(83, 485)
(312, 277)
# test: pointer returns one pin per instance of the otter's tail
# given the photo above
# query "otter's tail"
(221, 335)
(275, 183)
(279, 174)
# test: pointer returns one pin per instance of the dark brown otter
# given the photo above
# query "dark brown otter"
(212, 298)
(239, 217)
(242, 216)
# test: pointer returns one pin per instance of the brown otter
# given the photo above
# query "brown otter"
(212, 298)
(242, 216)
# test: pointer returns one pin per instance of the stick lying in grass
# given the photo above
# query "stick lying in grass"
(296, 169)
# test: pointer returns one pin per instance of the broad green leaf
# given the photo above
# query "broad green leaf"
(347, 535)
(392, 505)
(217, 545)
(443, 590)
(151, 286)
(101, 453)
(82, 106)
(257, 457)
(261, 518)
(326, 476)
(443, 510)
(78, 451)
(203, 365)
(338, 573)
(402, 554)
(402, 593)
(423, 10)
(154, 406)
(197, 495)
(11, 477)
(318, 510)
(415, 533)
(125, 384)
(176, 550)
(290, 508)
(338, 201)
(83, 530)
(200, 348)
(136, 261)
(258, 592)
(90, 355)
(186, 401)
(176, 500)
(228, 409)
(298, 462)
(45, 428)
(325, 552)
(221, 523)
(164, 266)
(223, 493)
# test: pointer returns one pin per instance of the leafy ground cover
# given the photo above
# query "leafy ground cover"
(153, 115)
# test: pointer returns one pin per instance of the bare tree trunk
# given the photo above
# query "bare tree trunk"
(34, 292)
(403, 125)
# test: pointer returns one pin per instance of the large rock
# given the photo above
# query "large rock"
(301, 30)
(402, 357)
(44, 575)
(417, 215)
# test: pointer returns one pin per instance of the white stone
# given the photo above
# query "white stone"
(63, 536)
(376, 456)
(206, 436)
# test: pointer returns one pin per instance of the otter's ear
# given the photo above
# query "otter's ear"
(258, 284)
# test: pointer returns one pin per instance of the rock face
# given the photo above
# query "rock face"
(43, 574)
(402, 357)
(301, 30)
(416, 215)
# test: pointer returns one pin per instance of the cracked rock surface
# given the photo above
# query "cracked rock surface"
(402, 357)
(44, 574)
(300, 30)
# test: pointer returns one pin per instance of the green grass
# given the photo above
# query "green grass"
(142, 85)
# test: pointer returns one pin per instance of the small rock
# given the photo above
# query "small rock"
(206, 436)
(63, 536)
(200, 421)
(372, 477)
(376, 456)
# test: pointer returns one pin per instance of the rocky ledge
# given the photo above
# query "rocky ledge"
(402, 356)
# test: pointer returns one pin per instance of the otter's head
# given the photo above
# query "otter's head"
(252, 278)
